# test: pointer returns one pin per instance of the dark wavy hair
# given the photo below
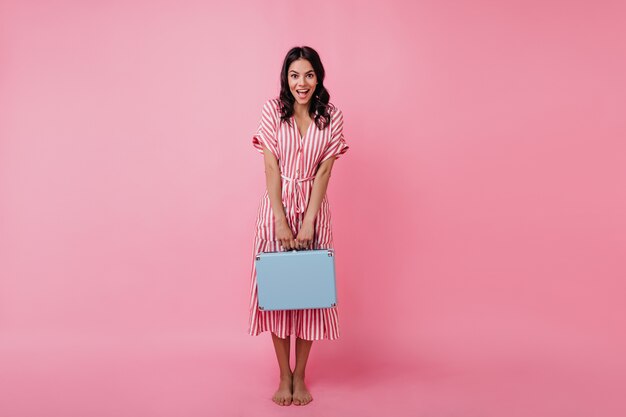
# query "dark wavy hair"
(319, 106)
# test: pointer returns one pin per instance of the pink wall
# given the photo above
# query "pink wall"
(478, 215)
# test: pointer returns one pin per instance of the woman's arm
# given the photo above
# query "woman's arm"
(274, 191)
(320, 184)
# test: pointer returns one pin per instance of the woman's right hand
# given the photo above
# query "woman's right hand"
(284, 235)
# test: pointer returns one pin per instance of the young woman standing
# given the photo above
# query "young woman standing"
(300, 135)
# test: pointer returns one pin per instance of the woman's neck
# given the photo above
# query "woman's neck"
(301, 110)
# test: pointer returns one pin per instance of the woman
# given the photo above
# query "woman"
(300, 135)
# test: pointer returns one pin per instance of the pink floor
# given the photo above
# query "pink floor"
(236, 375)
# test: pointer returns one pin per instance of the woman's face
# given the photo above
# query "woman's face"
(302, 80)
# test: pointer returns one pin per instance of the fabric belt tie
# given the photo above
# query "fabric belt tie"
(295, 195)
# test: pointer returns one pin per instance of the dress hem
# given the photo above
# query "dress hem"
(290, 334)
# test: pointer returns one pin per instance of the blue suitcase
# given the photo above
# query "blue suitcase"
(296, 279)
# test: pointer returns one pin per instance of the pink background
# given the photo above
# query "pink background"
(478, 215)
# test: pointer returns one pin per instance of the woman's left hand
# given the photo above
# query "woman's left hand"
(305, 235)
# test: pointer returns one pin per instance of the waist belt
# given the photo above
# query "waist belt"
(295, 200)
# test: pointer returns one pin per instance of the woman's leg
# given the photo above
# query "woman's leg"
(282, 348)
(301, 395)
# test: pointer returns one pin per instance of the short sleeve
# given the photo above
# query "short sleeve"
(267, 130)
(337, 145)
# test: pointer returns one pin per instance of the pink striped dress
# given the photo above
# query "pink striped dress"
(298, 159)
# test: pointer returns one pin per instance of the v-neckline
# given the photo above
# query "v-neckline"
(295, 123)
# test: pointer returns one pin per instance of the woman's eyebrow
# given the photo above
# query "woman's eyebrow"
(299, 73)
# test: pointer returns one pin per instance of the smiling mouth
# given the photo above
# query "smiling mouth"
(303, 93)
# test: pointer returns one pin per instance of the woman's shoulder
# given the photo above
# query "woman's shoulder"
(271, 109)
(272, 103)
(333, 109)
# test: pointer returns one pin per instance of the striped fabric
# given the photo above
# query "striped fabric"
(298, 158)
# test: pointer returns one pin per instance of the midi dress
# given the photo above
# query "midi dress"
(298, 158)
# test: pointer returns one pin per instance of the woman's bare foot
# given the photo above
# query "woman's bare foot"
(283, 394)
(301, 395)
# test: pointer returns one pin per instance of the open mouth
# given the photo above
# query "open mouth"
(303, 93)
